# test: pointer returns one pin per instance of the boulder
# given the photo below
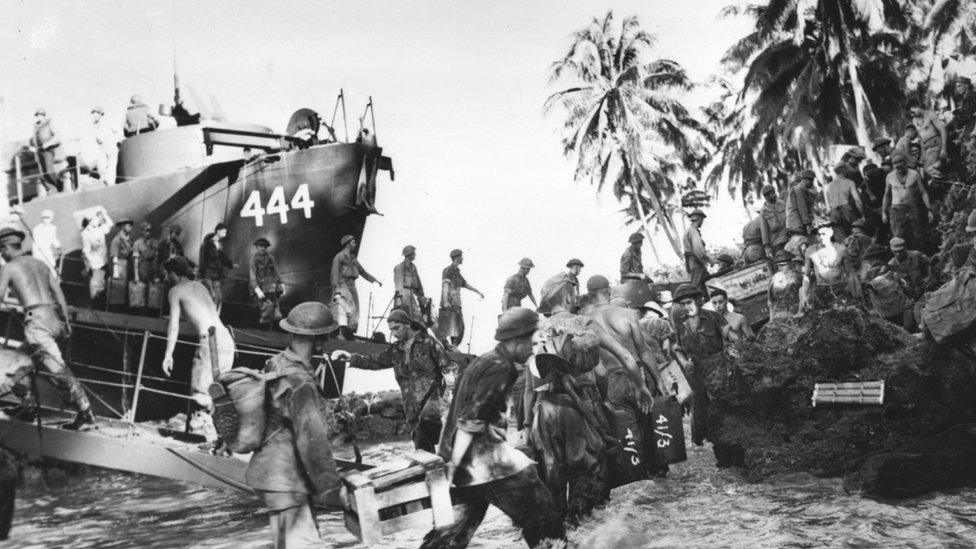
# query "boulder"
(767, 401)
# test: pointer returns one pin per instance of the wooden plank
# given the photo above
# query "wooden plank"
(368, 512)
(420, 520)
(402, 494)
(439, 489)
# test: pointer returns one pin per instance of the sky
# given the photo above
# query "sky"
(458, 89)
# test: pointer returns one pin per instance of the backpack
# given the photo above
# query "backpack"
(886, 295)
(239, 408)
(952, 308)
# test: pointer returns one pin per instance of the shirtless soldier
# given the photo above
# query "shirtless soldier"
(36, 286)
(826, 271)
(193, 301)
(623, 326)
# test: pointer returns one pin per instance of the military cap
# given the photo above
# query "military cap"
(8, 233)
(971, 223)
(782, 256)
(697, 212)
(856, 152)
(345, 240)
(686, 291)
(455, 253)
(98, 109)
(597, 282)
(653, 306)
(898, 156)
(526, 262)
(806, 174)
(875, 251)
(767, 189)
(309, 318)
(897, 244)
(880, 142)
(635, 237)
(262, 241)
(726, 258)
(516, 322)
(40, 110)
(408, 249)
(403, 317)
(718, 290)
(574, 263)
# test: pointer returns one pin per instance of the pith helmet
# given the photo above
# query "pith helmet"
(516, 322)
(971, 223)
(309, 318)
(527, 263)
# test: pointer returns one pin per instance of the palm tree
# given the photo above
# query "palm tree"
(818, 72)
(625, 124)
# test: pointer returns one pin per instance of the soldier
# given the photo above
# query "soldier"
(169, 248)
(902, 188)
(346, 269)
(38, 290)
(48, 151)
(827, 275)
(857, 243)
(799, 241)
(932, 136)
(911, 267)
(144, 255)
(423, 371)
(517, 287)
(107, 139)
(799, 205)
(840, 192)
(450, 323)
(784, 287)
(726, 264)
(752, 251)
(575, 266)
(46, 246)
(772, 222)
(882, 147)
(702, 336)
(93, 232)
(631, 264)
(190, 299)
(294, 463)
(406, 282)
(696, 259)
(658, 331)
(121, 252)
(738, 324)
(265, 282)
(873, 261)
(486, 470)
(213, 261)
(626, 388)
(138, 118)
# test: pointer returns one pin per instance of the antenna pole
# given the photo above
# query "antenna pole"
(345, 123)
(372, 115)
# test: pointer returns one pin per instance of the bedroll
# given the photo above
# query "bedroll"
(951, 309)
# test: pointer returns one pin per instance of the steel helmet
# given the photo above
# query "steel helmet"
(309, 318)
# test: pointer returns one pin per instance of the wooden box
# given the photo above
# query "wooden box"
(412, 492)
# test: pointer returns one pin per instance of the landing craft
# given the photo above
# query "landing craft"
(300, 193)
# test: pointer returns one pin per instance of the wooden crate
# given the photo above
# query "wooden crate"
(412, 492)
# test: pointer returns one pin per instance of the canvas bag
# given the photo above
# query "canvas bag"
(952, 308)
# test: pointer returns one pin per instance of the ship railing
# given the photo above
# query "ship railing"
(125, 382)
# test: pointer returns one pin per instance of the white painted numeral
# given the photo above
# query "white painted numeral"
(278, 205)
(252, 208)
(301, 201)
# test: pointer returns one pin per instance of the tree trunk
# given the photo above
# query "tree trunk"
(659, 212)
(861, 109)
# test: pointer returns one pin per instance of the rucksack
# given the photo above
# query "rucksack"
(886, 295)
(952, 308)
(239, 408)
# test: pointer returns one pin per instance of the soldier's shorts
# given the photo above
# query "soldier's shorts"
(201, 375)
